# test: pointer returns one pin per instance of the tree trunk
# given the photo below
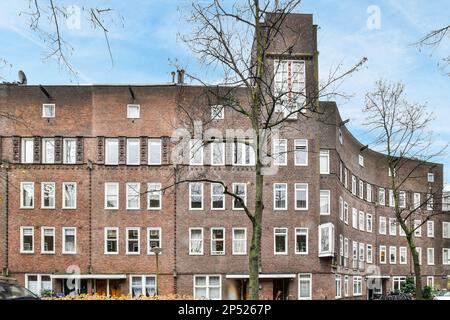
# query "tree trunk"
(416, 264)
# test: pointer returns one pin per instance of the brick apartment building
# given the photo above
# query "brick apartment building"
(77, 211)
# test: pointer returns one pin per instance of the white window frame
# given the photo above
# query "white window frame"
(214, 239)
(212, 185)
(22, 184)
(329, 227)
(445, 229)
(127, 239)
(43, 195)
(355, 218)
(338, 283)
(369, 226)
(127, 195)
(430, 282)
(446, 262)
(48, 142)
(64, 229)
(382, 196)
(207, 286)
(382, 226)
(151, 192)
(43, 251)
(361, 189)
(48, 105)
(286, 242)
(418, 231)
(244, 145)
(222, 158)
(234, 252)
(430, 229)
(416, 200)
(129, 113)
(392, 255)
(22, 250)
(117, 196)
(130, 141)
(306, 277)
(383, 249)
(301, 187)
(150, 143)
(430, 258)
(369, 253)
(345, 212)
(39, 282)
(201, 194)
(361, 160)
(280, 156)
(64, 195)
(368, 192)
(217, 112)
(194, 149)
(302, 231)
(324, 154)
(341, 208)
(160, 239)
(106, 241)
(202, 242)
(66, 160)
(357, 280)
(430, 177)
(301, 143)
(392, 226)
(25, 156)
(245, 195)
(403, 255)
(276, 187)
(327, 195)
(143, 282)
(346, 286)
(362, 221)
(115, 161)
(354, 185)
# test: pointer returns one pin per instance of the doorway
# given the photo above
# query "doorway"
(280, 289)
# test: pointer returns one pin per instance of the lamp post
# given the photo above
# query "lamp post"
(157, 251)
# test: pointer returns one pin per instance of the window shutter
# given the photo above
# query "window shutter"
(100, 150)
(143, 150)
(122, 150)
(37, 150)
(165, 150)
(80, 151)
(16, 149)
(58, 149)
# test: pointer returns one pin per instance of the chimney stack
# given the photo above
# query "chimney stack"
(173, 76)
(181, 76)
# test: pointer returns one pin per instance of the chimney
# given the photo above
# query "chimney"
(173, 76)
(181, 76)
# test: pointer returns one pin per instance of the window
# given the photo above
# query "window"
(381, 196)
(445, 256)
(111, 195)
(195, 241)
(217, 153)
(354, 218)
(430, 229)
(430, 205)
(289, 85)
(133, 111)
(392, 226)
(341, 173)
(111, 240)
(341, 246)
(430, 256)
(27, 195)
(48, 150)
(196, 196)
(361, 255)
(361, 189)
(240, 190)
(402, 199)
(301, 196)
(324, 162)
(27, 150)
(341, 208)
(279, 152)
(369, 222)
(326, 240)
(401, 232)
(403, 253)
(304, 286)
(243, 153)
(153, 239)
(37, 283)
(369, 253)
(346, 178)
(382, 226)
(337, 281)
(416, 200)
(430, 282)
(217, 112)
(383, 254)
(353, 185)
(154, 196)
(48, 195)
(154, 152)
(280, 240)
(111, 151)
(207, 287)
(391, 198)
(69, 195)
(133, 240)
(280, 196)
(69, 151)
(346, 286)
(48, 110)
(324, 202)
(369, 192)
(239, 241)
(446, 230)
(392, 255)
(341, 139)
(217, 241)
(143, 286)
(345, 251)
(419, 252)
(418, 228)
(217, 197)
(196, 152)
(430, 177)
(301, 241)
(69, 240)
(133, 195)
(361, 160)
(345, 212)
(47, 240)
(357, 286)
(133, 151)
(398, 283)
(26, 239)
(301, 152)
(362, 221)
(390, 172)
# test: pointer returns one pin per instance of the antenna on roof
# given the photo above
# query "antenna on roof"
(22, 77)
(344, 122)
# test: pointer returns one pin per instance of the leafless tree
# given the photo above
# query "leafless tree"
(402, 133)
(237, 41)
(434, 39)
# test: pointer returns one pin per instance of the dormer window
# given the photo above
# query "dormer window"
(217, 112)
(48, 110)
(133, 111)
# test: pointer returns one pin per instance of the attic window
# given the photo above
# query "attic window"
(361, 160)
(133, 111)
(217, 112)
(48, 110)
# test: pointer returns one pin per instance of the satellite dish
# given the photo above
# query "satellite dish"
(22, 77)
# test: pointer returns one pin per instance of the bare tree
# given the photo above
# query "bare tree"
(238, 40)
(434, 39)
(402, 133)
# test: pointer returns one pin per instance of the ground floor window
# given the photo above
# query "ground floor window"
(397, 283)
(357, 286)
(430, 282)
(38, 283)
(143, 286)
(338, 286)
(208, 287)
(346, 286)
(304, 286)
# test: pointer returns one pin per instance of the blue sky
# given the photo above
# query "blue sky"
(146, 46)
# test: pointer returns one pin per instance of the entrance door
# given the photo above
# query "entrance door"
(100, 287)
(280, 291)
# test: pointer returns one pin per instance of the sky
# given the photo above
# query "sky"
(146, 48)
